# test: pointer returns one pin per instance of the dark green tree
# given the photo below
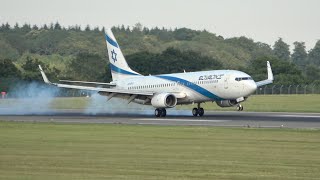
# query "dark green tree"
(9, 74)
(26, 28)
(8, 69)
(312, 73)
(31, 70)
(5, 27)
(299, 55)
(87, 28)
(184, 34)
(281, 50)
(87, 67)
(150, 63)
(16, 26)
(57, 26)
(103, 29)
(314, 54)
(35, 27)
(45, 27)
(96, 29)
(137, 27)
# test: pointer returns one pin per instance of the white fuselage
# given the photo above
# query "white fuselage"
(197, 87)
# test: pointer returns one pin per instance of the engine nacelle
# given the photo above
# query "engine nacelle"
(164, 100)
(227, 103)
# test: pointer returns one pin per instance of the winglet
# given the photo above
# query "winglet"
(45, 79)
(270, 77)
(270, 74)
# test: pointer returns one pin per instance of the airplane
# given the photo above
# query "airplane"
(227, 88)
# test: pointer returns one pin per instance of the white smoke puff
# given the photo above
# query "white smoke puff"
(99, 105)
(35, 99)
(31, 98)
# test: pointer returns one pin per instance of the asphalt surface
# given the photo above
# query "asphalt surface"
(176, 117)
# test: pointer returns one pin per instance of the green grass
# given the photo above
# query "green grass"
(81, 151)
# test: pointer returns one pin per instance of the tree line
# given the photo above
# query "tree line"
(80, 53)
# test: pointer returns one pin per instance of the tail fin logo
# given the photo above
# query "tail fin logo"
(114, 55)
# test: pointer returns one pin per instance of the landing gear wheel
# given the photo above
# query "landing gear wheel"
(160, 112)
(195, 111)
(157, 112)
(239, 107)
(198, 111)
(163, 112)
(201, 112)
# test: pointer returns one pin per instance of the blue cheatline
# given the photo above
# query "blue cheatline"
(121, 71)
(192, 86)
(111, 41)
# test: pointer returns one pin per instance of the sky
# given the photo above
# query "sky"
(261, 20)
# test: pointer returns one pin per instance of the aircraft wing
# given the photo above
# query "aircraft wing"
(270, 77)
(98, 89)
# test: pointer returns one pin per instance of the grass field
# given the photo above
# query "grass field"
(267, 103)
(68, 151)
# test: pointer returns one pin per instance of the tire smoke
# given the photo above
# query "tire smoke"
(99, 105)
(28, 99)
(36, 99)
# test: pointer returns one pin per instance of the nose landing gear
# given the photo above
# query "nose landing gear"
(198, 111)
(239, 107)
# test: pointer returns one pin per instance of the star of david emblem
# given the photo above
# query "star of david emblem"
(114, 55)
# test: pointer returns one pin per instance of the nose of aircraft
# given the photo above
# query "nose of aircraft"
(251, 87)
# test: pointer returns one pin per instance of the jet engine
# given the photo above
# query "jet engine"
(164, 100)
(227, 103)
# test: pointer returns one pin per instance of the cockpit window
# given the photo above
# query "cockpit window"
(243, 78)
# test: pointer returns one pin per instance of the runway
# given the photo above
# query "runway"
(177, 118)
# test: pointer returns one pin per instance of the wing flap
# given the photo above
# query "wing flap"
(86, 82)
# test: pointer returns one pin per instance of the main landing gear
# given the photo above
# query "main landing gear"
(198, 111)
(239, 107)
(160, 112)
